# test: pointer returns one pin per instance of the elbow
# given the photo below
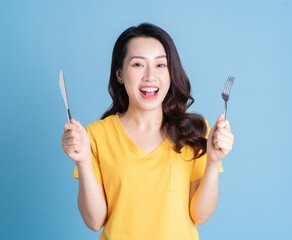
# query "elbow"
(200, 221)
(95, 228)
(93, 221)
(95, 225)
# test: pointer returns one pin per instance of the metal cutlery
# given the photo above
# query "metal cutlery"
(226, 92)
(64, 94)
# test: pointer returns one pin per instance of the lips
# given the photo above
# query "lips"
(149, 92)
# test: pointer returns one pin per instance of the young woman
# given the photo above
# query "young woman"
(147, 169)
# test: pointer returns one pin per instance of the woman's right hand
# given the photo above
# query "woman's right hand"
(76, 142)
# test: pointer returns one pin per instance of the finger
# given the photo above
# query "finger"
(71, 141)
(228, 126)
(225, 137)
(78, 148)
(223, 132)
(78, 124)
(224, 140)
(224, 147)
(227, 141)
(224, 124)
(68, 139)
(71, 134)
(69, 126)
(213, 129)
(71, 149)
(221, 118)
(216, 146)
(71, 152)
(68, 149)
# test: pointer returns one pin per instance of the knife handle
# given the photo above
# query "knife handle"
(69, 115)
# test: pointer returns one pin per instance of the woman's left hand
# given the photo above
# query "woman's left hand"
(220, 140)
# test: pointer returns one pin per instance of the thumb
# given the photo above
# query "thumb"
(211, 133)
(221, 117)
(78, 124)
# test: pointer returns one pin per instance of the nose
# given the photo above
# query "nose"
(149, 74)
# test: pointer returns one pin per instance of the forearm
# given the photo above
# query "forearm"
(205, 198)
(91, 198)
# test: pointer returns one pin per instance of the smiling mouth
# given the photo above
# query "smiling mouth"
(149, 92)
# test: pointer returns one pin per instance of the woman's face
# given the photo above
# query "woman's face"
(145, 73)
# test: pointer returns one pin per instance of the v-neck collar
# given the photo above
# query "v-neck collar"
(140, 151)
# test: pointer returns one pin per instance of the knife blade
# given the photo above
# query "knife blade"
(64, 94)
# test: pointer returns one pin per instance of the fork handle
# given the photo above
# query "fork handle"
(225, 111)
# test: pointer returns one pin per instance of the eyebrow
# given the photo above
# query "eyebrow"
(161, 56)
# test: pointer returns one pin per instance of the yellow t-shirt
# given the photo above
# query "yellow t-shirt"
(147, 193)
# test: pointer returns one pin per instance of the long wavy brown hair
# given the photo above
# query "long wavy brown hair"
(183, 128)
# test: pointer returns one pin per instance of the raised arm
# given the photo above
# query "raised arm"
(91, 195)
(205, 197)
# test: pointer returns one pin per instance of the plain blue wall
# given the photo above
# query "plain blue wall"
(250, 40)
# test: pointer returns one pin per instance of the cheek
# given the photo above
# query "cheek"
(128, 77)
(131, 77)
(131, 74)
(166, 82)
(131, 85)
(166, 76)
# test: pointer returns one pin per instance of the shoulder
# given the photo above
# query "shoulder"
(101, 125)
(208, 127)
(206, 121)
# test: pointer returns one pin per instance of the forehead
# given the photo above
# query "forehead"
(145, 46)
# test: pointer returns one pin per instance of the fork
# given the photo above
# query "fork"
(226, 91)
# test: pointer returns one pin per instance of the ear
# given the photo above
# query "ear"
(119, 74)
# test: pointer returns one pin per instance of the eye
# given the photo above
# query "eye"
(137, 65)
(161, 65)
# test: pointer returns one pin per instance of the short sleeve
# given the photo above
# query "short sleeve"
(95, 159)
(200, 163)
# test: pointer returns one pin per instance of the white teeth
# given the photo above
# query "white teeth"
(148, 89)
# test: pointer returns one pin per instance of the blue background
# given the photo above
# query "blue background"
(250, 40)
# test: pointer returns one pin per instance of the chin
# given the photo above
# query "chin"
(149, 106)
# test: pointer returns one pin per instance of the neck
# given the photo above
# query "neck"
(143, 118)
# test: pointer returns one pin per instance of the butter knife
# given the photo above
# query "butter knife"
(64, 94)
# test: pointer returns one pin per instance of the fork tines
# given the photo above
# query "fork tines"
(227, 86)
